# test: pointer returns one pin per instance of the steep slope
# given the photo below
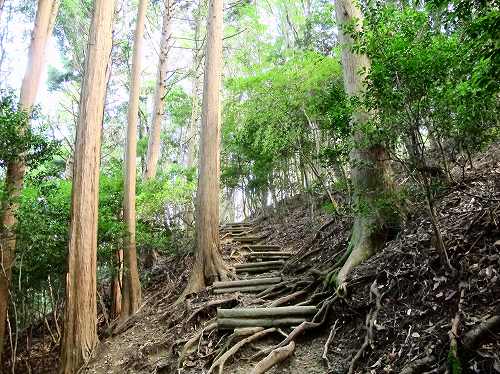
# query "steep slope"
(401, 313)
(409, 297)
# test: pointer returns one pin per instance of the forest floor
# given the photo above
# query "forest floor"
(418, 297)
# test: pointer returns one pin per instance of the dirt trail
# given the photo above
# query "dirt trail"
(419, 298)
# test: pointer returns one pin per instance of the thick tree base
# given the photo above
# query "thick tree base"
(207, 269)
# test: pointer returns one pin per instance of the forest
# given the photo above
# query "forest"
(249, 186)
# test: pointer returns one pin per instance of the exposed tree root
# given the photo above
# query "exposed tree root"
(273, 288)
(121, 325)
(419, 366)
(248, 282)
(454, 364)
(277, 355)
(312, 300)
(317, 321)
(230, 323)
(287, 298)
(327, 345)
(285, 311)
(371, 318)
(245, 331)
(241, 289)
(475, 336)
(187, 349)
(258, 269)
(331, 277)
(211, 304)
(223, 358)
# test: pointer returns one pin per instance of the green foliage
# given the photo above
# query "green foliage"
(178, 106)
(17, 138)
(44, 217)
(271, 116)
(329, 208)
(171, 187)
(424, 81)
(42, 233)
(56, 78)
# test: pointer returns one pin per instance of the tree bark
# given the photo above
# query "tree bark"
(80, 320)
(209, 265)
(160, 92)
(131, 293)
(193, 122)
(370, 172)
(117, 285)
(44, 23)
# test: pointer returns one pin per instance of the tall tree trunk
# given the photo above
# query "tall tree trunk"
(117, 285)
(131, 298)
(80, 320)
(160, 91)
(209, 265)
(192, 137)
(44, 23)
(195, 105)
(192, 134)
(370, 172)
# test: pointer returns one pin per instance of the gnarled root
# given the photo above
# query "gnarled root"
(188, 347)
(333, 331)
(276, 356)
(285, 299)
(454, 365)
(419, 366)
(474, 337)
(222, 359)
(213, 303)
(244, 331)
(371, 318)
(304, 326)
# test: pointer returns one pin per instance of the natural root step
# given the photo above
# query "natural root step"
(258, 269)
(285, 311)
(231, 323)
(260, 259)
(269, 254)
(247, 239)
(236, 226)
(262, 247)
(242, 289)
(247, 282)
(259, 264)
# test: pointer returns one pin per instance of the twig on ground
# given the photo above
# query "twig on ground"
(327, 345)
(454, 364)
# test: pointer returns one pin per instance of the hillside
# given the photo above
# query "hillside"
(412, 300)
